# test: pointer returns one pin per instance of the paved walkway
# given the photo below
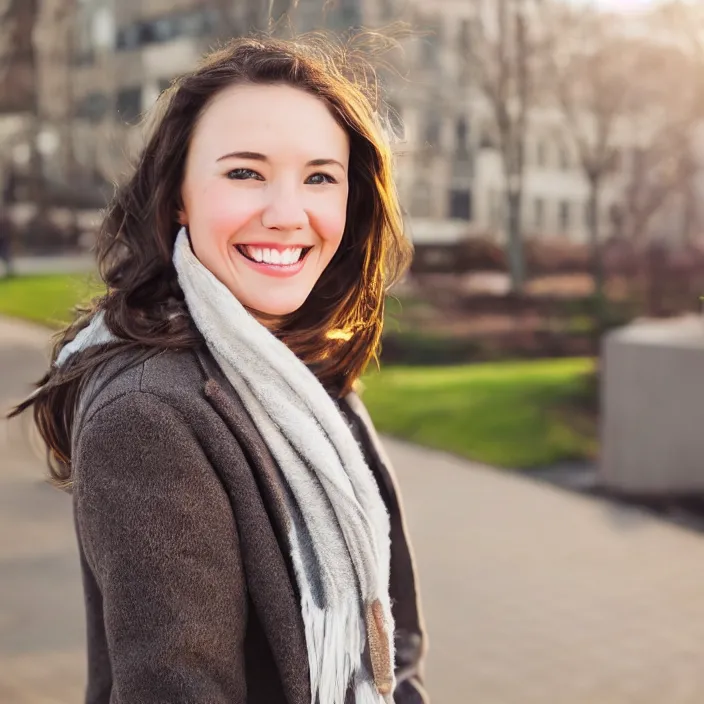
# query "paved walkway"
(532, 595)
(66, 264)
(41, 613)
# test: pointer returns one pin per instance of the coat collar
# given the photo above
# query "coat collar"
(256, 492)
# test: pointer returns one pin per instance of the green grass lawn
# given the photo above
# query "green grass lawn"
(46, 299)
(511, 414)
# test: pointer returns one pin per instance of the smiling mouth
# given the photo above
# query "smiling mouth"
(273, 257)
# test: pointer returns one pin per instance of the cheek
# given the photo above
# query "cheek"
(219, 212)
(329, 220)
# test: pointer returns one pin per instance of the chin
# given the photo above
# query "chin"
(276, 308)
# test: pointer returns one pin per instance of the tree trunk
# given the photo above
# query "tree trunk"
(515, 242)
(37, 191)
(690, 219)
(72, 171)
(594, 240)
(597, 265)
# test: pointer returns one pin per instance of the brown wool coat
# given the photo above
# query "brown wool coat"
(189, 587)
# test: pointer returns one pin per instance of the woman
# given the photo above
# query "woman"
(240, 533)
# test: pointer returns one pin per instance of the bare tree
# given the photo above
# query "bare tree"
(593, 71)
(658, 173)
(503, 56)
(17, 60)
(680, 25)
(625, 94)
(683, 21)
(18, 71)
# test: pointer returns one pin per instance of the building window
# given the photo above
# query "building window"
(539, 213)
(420, 203)
(464, 38)
(541, 154)
(430, 44)
(92, 107)
(496, 208)
(601, 214)
(461, 204)
(164, 29)
(565, 164)
(129, 104)
(164, 84)
(387, 10)
(85, 57)
(167, 28)
(564, 216)
(431, 134)
(488, 139)
(128, 38)
(461, 131)
(196, 24)
(348, 13)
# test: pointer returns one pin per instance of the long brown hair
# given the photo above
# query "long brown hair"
(337, 330)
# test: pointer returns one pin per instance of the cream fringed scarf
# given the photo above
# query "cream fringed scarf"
(340, 528)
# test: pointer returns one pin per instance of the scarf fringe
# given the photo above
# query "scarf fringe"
(335, 641)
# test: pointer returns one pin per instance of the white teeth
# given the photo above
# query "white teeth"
(287, 257)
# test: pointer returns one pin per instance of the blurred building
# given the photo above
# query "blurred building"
(128, 51)
(76, 106)
(18, 82)
(37, 134)
(452, 178)
(53, 41)
(102, 64)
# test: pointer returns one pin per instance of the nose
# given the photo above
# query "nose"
(284, 210)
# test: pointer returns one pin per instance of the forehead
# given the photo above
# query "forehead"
(270, 118)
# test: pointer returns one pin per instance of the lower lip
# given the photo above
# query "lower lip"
(280, 271)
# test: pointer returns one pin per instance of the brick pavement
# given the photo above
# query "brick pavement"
(532, 595)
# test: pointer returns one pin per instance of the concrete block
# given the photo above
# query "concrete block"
(652, 428)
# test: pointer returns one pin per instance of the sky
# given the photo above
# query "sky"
(626, 5)
(622, 5)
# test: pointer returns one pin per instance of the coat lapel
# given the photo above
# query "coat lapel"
(255, 488)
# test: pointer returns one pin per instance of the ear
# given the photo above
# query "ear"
(182, 217)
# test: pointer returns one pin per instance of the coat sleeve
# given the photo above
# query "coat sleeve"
(160, 540)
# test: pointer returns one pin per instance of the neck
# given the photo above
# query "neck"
(272, 323)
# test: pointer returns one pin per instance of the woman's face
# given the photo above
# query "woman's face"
(265, 193)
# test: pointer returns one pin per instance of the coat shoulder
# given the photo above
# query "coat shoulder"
(175, 377)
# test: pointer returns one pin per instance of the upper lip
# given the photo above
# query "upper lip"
(273, 245)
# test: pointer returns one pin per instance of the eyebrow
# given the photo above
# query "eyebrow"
(256, 156)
